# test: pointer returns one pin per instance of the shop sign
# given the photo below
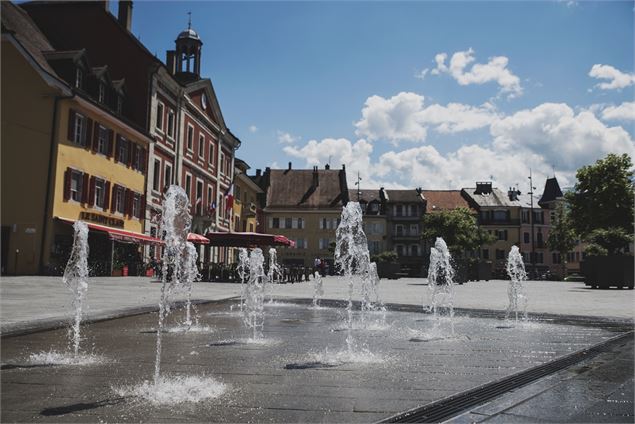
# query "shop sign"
(101, 219)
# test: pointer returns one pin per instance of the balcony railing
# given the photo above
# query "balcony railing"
(483, 221)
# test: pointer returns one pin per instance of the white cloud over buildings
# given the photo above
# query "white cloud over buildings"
(614, 78)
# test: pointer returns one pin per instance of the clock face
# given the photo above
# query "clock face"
(204, 101)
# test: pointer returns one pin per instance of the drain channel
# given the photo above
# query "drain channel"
(451, 406)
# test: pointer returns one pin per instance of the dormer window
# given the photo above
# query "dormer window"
(102, 92)
(79, 76)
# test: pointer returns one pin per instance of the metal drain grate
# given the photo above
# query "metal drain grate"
(451, 406)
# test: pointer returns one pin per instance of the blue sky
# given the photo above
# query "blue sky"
(357, 82)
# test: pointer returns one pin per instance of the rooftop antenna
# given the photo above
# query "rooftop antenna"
(532, 258)
(359, 191)
(330, 161)
(189, 20)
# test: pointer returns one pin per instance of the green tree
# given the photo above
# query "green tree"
(459, 229)
(561, 236)
(602, 199)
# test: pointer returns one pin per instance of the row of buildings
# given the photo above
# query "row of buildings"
(95, 127)
(305, 206)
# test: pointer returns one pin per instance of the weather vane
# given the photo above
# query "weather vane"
(189, 20)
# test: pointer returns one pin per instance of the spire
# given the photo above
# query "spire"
(189, 20)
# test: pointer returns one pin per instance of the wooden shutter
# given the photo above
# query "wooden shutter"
(71, 125)
(131, 145)
(142, 203)
(67, 184)
(88, 133)
(111, 144)
(113, 204)
(143, 159)
(91, 192)
(107, 195)
(85, 193)
(127, 208)
(117, 158)
(95, 143)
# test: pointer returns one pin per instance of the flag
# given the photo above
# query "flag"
(212, 208)
(229, 197)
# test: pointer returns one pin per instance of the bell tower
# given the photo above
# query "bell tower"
(188, 53)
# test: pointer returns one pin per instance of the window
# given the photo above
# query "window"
(100, 191)
(275, 223)
(237, 193)
(485, 253)
(526, 237)
(139, 162)
(500, 254)
(76, 185)
(555, 258)
(79, 78)
(156, 178)
(374, 246)
(399, 230)
(414, 250)
(300, 223)
(222, 163)
(539, 238)
(301, 244)
(287, 223)
(168, 175)
(136, 205)
(211, 154)
(539, 257)
(399, 250)
(102, 140)
(501, 215)
(119, 205)
(210, 198)
(413, 210)
(201, 146)
(525, 216)
(501, 234)
(171, 123)
(188, 186)
(398, 210)
(324, 243)
(122, 150)
(160, 116)
(102, 92)
(79, 136)
(199, 197)
(414, 229)
(190, 137)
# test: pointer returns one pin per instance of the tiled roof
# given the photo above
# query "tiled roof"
(410, 195)
(443, 200)
(295, 189)
(366, 195)
(18, 22)
(496, 198)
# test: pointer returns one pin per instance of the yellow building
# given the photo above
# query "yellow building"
(67, 154)
(246, 193)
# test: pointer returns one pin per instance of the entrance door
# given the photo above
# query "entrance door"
(4, 249)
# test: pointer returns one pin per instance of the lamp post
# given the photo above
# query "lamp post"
(532, 258)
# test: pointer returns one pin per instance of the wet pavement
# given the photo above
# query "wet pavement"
(299, 374)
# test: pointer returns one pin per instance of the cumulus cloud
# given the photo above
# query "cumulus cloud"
(404, 117)
(616, 79)
(286, 138)
(253, 129)
(422, 74)
(495, 70)
(623, 112)
(561, 137)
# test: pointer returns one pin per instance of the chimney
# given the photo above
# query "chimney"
(258, 173)
(316, 177)
(170, 62)
(124, 14)
(483, 187)
(513, 194)
(327, 166)
(289, 169)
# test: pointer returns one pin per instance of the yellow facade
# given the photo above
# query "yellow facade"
(28, 104)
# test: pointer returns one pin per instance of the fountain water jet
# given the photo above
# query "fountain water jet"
(175, 223)
(516, 271)
(76, 277)
(253, 309)
(441, 283)
(274, 271)
(318, 291)
(189, 275)
(243, 272)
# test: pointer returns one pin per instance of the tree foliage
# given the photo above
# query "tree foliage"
(388, 256)
(602, 199)
(459, 229)
(561, 236)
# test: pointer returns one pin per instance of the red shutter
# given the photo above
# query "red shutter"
(143, 207)
(107, 195)
(85, 181)
(91, 192)
(71, 125)
(67, 184)
(95, 143)
(111, 143)
(88, 133)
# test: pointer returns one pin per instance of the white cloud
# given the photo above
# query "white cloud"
(422, 74)
(623, 112)
(404, 118)
(253, 129)
(495, 70)
(286, 138)
(559, 136)
(616, 78)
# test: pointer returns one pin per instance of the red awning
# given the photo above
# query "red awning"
(118, 234)
(197, 238)
(246, 239)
